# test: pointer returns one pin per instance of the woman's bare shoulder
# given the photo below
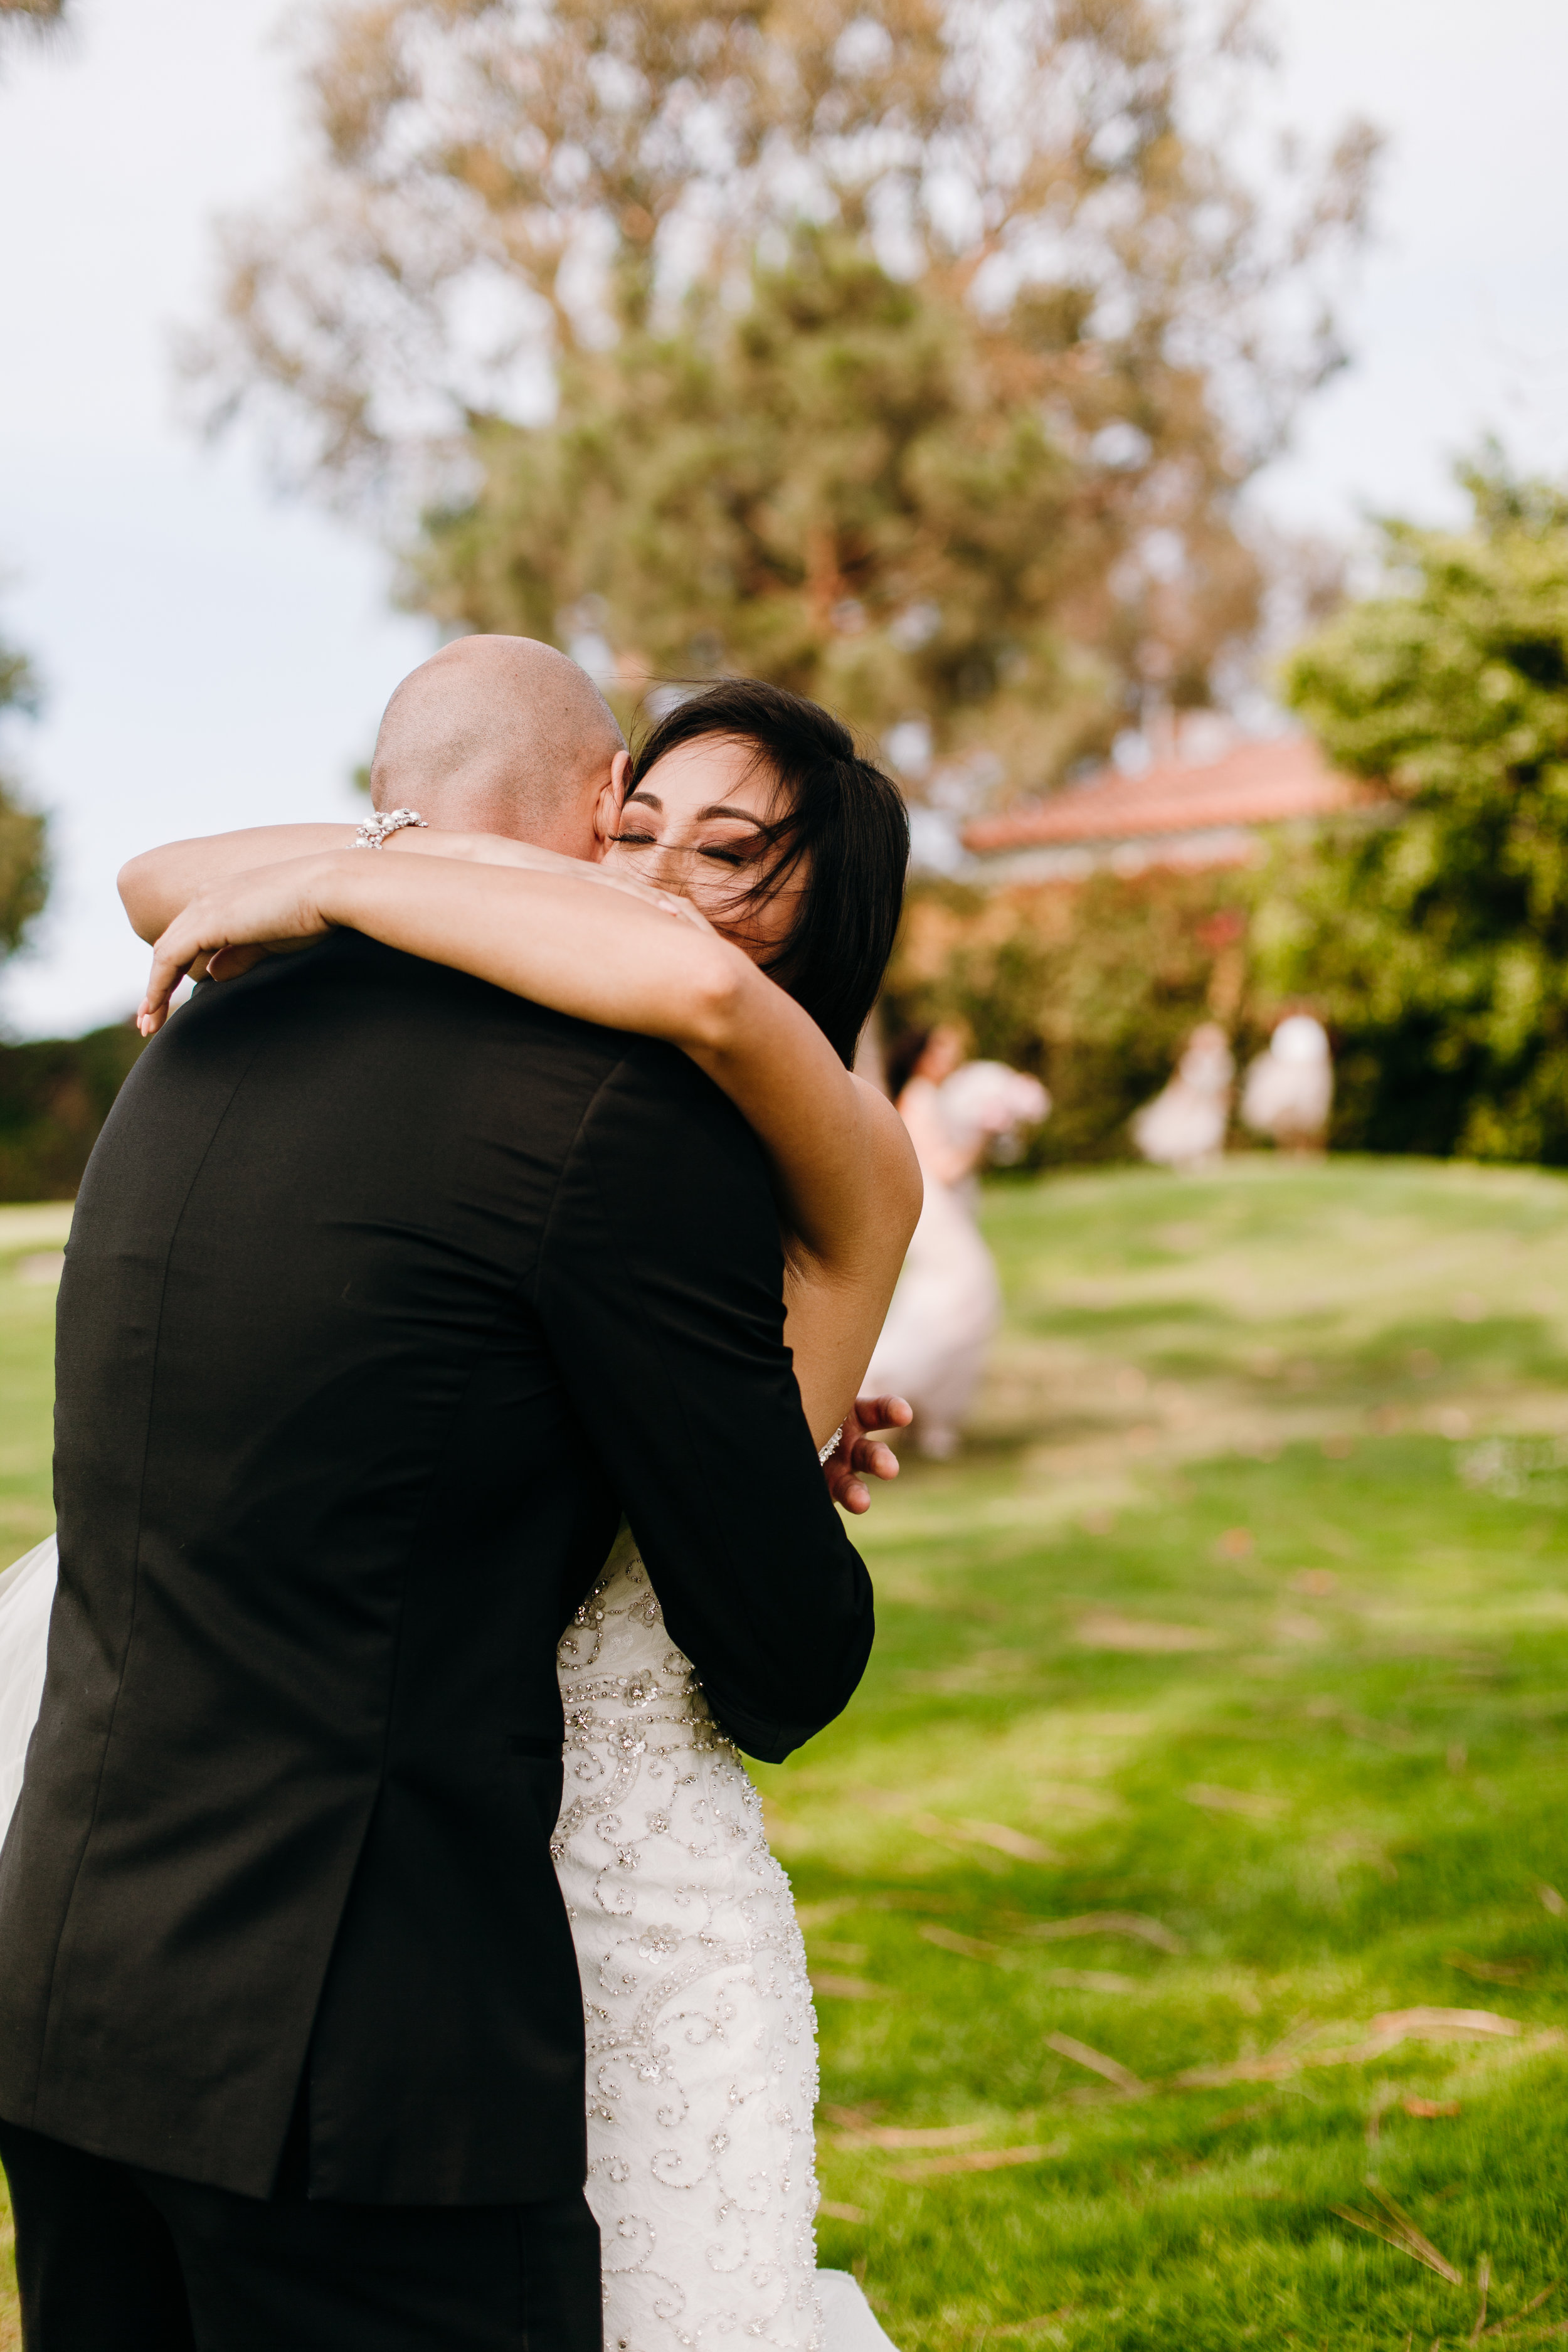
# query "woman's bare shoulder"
(894, 1165)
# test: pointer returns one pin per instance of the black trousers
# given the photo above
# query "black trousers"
(113, 2259)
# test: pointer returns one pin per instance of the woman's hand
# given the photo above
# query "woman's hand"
(859, 1455)
(271, 910)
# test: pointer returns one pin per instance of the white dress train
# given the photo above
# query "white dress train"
(26, 1596)
(700, 2034)
(948, 1303)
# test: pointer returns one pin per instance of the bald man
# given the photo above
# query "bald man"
(387, 1291)
(499, 735)
(495, 735)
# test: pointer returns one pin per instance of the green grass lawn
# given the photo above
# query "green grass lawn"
(1189, 1875)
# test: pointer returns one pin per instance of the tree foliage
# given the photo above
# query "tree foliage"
(837, 486)
(1438, 944)
(681, 279)
(54, 1094)
(38, 16)
(24, 864)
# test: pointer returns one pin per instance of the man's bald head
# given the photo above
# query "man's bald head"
(499, 735)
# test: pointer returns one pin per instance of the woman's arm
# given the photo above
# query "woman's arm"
(155, 886)
(849, 1185)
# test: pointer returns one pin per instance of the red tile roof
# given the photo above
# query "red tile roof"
(1258, 782)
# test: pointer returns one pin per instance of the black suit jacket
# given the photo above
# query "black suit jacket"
(384, 1292)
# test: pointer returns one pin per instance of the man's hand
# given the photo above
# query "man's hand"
(859, 1455)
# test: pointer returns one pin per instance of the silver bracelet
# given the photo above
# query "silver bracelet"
(824, 1453)
(380, 828)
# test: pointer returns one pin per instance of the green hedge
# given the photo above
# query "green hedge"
(54, 1094)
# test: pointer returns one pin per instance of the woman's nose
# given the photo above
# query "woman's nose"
(671, 864)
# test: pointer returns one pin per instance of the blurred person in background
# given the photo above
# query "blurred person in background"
(1184, 1126)
(948, 1301)
(1289, 1089)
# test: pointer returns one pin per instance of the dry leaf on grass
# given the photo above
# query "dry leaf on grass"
(1250, 1801)
(1429, 2025)
(1091, 1981)
(1104, 1630)
(1524, 2311)
(1386, 2033)
(1015, 1842)
(1381, 1734)
(1396, 2228)
(1033, 2326)
(1484, 2281)
(975, 2159)
(1108, 1923)
(971, 1947)
(834, 2213)
(1121, 2076)
(950, 1834)
(830, 1988)
(913, 2135)
(1428, 2110)
(1490, 1971)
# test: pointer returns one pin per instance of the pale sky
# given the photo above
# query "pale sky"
(215, 657)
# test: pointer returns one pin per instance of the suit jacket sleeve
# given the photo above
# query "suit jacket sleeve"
(660, 1288)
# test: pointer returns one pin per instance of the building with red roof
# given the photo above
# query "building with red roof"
(1178, 811)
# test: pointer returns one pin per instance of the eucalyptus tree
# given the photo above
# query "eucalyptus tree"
(918, 351)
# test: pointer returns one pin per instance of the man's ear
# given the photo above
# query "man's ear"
(607, 807)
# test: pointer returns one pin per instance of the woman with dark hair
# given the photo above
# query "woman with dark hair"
(759, 868)
(832, 815)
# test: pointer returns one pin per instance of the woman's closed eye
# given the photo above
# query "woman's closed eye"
(744, 851)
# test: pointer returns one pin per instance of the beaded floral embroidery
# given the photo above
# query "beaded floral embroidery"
(701, 2037)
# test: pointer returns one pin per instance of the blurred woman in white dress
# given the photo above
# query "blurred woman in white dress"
(1289, 1089)
(948, 1302)
(1184, 1126)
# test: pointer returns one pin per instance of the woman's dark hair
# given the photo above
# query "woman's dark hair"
(834, 806)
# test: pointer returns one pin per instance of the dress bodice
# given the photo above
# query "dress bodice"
(631, 1698)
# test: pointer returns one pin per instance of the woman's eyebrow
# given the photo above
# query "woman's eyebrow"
(735, 815)
(649, 800)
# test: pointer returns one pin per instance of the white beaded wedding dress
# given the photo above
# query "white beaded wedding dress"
(700, 2035)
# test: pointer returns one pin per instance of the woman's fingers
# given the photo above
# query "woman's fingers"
(265, 912)
(173, 956)
(848, 1489)
(875, 1460)
(883, 1413)
(229, 963)
(861, 1456)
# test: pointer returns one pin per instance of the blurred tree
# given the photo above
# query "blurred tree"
(24, 867)
(1438, 945)
(54, 1094)
(836, 487)
(532, 238)
(24, 864)
(39, 15)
